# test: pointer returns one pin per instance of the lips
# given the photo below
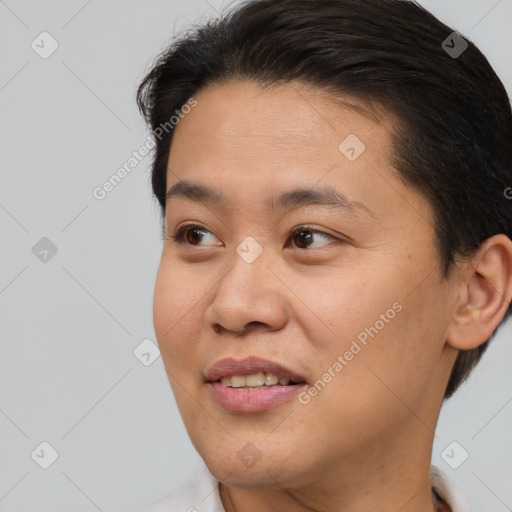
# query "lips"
(231, 384)
(228, 367)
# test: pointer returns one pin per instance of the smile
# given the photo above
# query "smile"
(252, 384)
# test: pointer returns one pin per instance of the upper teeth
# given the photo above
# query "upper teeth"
(254, 380)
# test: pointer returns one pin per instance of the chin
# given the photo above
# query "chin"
(235, 475)
(265, 473)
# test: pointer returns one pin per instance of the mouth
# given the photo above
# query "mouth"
(257, 381)
(252, 384)
(252, 372)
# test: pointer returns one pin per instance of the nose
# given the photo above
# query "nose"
(248, 296)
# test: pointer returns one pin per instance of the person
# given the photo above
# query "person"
(337, 253)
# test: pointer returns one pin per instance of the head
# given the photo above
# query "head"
(410, 272)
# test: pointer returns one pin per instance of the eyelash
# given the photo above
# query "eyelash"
(179, 235)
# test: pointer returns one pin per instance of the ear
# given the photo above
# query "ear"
(485, 295)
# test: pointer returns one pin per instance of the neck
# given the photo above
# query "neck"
(234, 501)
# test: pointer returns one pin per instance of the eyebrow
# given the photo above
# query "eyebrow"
(297, 198)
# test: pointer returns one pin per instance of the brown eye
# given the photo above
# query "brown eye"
(303, 238)
(305, 235)
(191, 234)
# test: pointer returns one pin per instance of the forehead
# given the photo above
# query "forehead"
(287, 119)
(256, 140)
(280, 130)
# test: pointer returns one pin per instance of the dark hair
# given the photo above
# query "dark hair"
(454, 139)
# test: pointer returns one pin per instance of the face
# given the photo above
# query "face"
(347, 296)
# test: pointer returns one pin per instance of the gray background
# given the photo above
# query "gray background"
(69, 325)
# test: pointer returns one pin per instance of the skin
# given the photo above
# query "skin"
(364, 442)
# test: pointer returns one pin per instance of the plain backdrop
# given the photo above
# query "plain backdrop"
(77, 273)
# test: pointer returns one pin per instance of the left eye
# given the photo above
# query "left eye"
(193, 234)
(305, 234)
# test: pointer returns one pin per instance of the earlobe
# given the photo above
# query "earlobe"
(488, 293)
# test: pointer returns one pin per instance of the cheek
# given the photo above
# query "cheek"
(176, 313)
(389, 339)
(345, 305)
(389, 358)
(177, 306)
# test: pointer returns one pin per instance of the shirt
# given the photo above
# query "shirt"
(202, 495)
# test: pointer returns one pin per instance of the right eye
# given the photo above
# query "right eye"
(191, 234)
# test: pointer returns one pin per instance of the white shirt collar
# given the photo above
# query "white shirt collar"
(448, 491)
